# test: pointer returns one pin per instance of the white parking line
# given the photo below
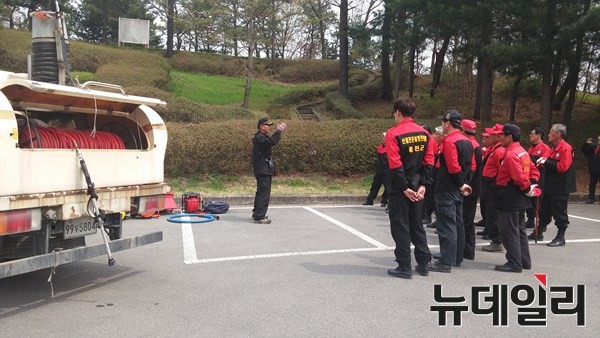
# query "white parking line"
(585, 218)
(347, 228)
(324, 252)
(189, 245)
(190, 256)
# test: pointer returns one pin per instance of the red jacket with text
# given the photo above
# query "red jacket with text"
(410, 156)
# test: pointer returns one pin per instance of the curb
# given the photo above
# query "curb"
(324, 199)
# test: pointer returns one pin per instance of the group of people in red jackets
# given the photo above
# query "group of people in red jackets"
(507, 180)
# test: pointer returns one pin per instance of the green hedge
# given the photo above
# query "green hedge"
(336, 147)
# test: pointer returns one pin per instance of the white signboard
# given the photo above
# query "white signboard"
(134, 31)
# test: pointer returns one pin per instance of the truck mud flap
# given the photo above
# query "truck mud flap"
(25, 265)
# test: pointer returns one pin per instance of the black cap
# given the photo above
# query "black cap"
(453, 116)
(262, 121)
(512, 129)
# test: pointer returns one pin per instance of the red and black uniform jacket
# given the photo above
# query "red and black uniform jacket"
(382, 162)
(476, 167)
(410, 156)
(560, 171)
(454, 166)
(513, 180)
(535, 152)
(262, 160)
(491, 165)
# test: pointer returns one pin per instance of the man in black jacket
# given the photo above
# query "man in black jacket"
(264, 167)
(591, 149)
(380, 177)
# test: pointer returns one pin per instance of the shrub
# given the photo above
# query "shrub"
(14, 49)
(209, 63)
(309, 71)
(341, 107)
(340, 147)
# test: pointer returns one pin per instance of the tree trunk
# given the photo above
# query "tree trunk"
(433, 53)
(343, 76)
(557, 69)
(322, 39)
(104, 36)
(439, 64)
(399, 55)
(477, 107)
(386, 90)
(574, 62)
(487, 85)
(170, 25)
(250, 65)
(546, 118)
(514, 95)
(487, 71)
(570, 105)
(411, 67)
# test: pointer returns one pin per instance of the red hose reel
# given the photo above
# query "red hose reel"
(53, 138)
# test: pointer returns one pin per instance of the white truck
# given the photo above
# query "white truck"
(74, 159)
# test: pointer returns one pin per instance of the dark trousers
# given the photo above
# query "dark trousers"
(482, 209)
(514, 237)
(262, 197)
(407, 226)
(491, 220)
(429, 205)
(379, 180)
(469, 210)
(531, 211)
(594, 179)
(554, 206)
(450, 226)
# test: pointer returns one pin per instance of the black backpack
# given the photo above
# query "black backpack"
(215, 207)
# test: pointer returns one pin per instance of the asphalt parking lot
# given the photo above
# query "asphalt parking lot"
(316, 271)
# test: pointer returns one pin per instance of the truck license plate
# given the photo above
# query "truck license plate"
(78, 227)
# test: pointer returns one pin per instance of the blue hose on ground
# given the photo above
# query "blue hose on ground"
(205, 218)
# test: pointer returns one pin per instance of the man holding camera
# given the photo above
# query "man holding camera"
(264, 167)
(591, 149)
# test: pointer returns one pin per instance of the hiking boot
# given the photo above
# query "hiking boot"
(422, 269)
(540, 236)
(493, 247)
(262, 221)
(439, 266)
(367, 203)
(406, 274)
(557, 241)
